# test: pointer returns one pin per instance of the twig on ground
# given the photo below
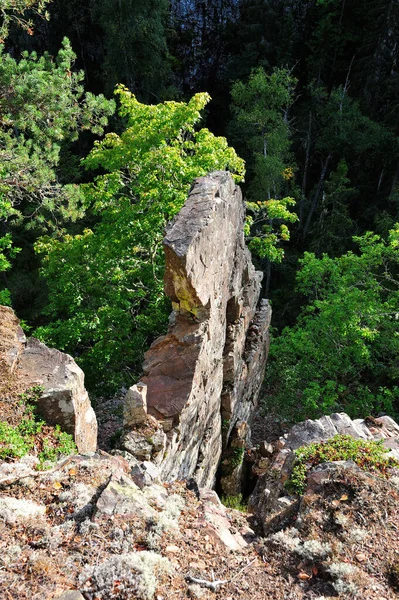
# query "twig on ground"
(213, 585)
(10, 480)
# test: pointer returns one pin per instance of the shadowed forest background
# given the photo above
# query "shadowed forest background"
(305, 91)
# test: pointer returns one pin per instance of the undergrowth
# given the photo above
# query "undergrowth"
(368, 455)
(32, 434)
(235, 502)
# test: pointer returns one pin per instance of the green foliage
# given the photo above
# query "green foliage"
(260, 123)
(7, 252)
(64, 446)
(13, 444)
(17, 441)
(268, 221)
(14, 11)
(43, 108)
(136, 53)
(234, 502)
(237, 456)
(368, 455)
(334, 228)
(106, 285)
(343, 352)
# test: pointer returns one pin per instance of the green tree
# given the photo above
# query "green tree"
(14, 11)
(260, 120)
(333, 228)
(136, 52)
(106, 285)
(43, 109)
(260, 125)
(343, 352)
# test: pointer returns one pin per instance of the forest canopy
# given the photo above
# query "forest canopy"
(305, 92)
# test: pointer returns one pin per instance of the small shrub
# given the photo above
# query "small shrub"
(368, 455)
(166, 520)
(313, 550)
(17, 441)
(288, 539)
(342, 575)
(310, 550)
(12, 443)
(237, 457)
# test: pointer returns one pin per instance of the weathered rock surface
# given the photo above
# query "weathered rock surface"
(64, 400)
(203, 377)
(269, 500)
(216, 523)
(12, 340)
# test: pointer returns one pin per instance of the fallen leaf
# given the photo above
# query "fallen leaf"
(57, 485)
(303, 576)
(315, 571)
(344, 497)
(72, 471)
(335, 502)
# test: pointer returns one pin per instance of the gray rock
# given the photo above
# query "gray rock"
(269, 502)
(265, 449)
(209, 367)
(64, 401)
(216, 522)
(144, 446)
(123, 497)
(145, 474)
(12, 341)
(71, 595)
(135, 405)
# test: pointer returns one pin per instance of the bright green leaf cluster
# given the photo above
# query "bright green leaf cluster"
(267, 219)
(106, 285)
(343, 352)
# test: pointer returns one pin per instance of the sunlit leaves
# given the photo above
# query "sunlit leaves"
(343, 352)
(106, 285)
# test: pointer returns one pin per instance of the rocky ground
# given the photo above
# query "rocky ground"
(111, 531)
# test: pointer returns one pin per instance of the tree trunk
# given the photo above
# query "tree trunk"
(316, 196)
(305, 169)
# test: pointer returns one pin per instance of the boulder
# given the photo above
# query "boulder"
(135, 405)
(64, 400)
(216, 523)
(203, 377)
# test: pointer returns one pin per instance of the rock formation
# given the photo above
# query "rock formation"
(202, 379)
(64, 400)
(270, 501)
